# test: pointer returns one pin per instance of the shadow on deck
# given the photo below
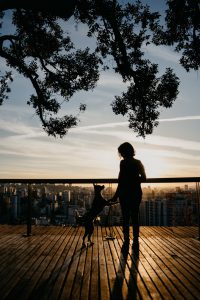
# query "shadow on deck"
(50, 264)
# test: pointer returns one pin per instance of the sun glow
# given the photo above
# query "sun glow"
(155, 163)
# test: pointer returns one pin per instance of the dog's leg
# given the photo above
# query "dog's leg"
(84, 237)
(90, 234)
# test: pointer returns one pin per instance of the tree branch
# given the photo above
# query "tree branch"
(59, 8)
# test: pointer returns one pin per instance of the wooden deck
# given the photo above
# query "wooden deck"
(51, 264)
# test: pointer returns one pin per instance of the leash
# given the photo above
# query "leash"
(111, 235)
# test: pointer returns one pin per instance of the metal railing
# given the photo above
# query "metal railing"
(96, 180)
(30, 182)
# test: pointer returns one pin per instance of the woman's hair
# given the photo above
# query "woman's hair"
(126, 150)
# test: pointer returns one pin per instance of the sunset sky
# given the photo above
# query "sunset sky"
(90, 150)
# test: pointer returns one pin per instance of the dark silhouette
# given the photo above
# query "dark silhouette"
(129, 190)
(125, 284)
(38, 47)
(87, 220)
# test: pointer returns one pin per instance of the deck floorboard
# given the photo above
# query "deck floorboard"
(51, 264)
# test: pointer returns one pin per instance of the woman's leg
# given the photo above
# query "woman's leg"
(135, 219)
(125, 224)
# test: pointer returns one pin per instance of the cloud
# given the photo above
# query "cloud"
(162, 52)
(116, 124)
(186, 118)
(113, 130)
(90, 151)
(17, 127)
(111, 80)
(155, 140)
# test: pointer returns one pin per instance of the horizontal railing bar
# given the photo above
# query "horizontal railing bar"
(95, 180)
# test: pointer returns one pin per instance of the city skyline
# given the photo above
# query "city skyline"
(90, 150)
(58, 205)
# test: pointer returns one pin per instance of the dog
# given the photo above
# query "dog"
(87, 220)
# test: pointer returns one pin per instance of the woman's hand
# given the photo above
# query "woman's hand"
(112, 201)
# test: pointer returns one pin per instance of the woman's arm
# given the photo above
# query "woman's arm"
(142, 172)
(116, 195)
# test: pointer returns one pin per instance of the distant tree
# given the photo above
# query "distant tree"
(39, 49)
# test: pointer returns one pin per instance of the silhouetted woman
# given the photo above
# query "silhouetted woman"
(129, 190)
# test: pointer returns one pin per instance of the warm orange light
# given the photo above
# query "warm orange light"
(155, 163)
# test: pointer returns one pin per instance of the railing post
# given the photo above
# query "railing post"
(198, 207)
(29, 212)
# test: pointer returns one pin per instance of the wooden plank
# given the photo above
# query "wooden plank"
(178, 248)
(103, 271)
(8, 229)
(16, 266)
(121, 285)
(132, 270)
(94, 285)
(187, 269)
(173, 284)
(118, 287)
(163, 284)
(148, 275)
(49, 265)
(185, 231)
(67, 290)
(27, 268)
(144, 272)
(53, 280)
(14, 247)
(44, 279)
(65, 264)
(178, 233)
(174, 267)
(193, 249)
(78, 280)
(120, 259)
(181, 249)
(85, 289)
(10, 245)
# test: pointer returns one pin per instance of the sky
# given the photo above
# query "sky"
(90, 150)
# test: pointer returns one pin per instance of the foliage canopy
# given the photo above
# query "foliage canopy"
(41, 50)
